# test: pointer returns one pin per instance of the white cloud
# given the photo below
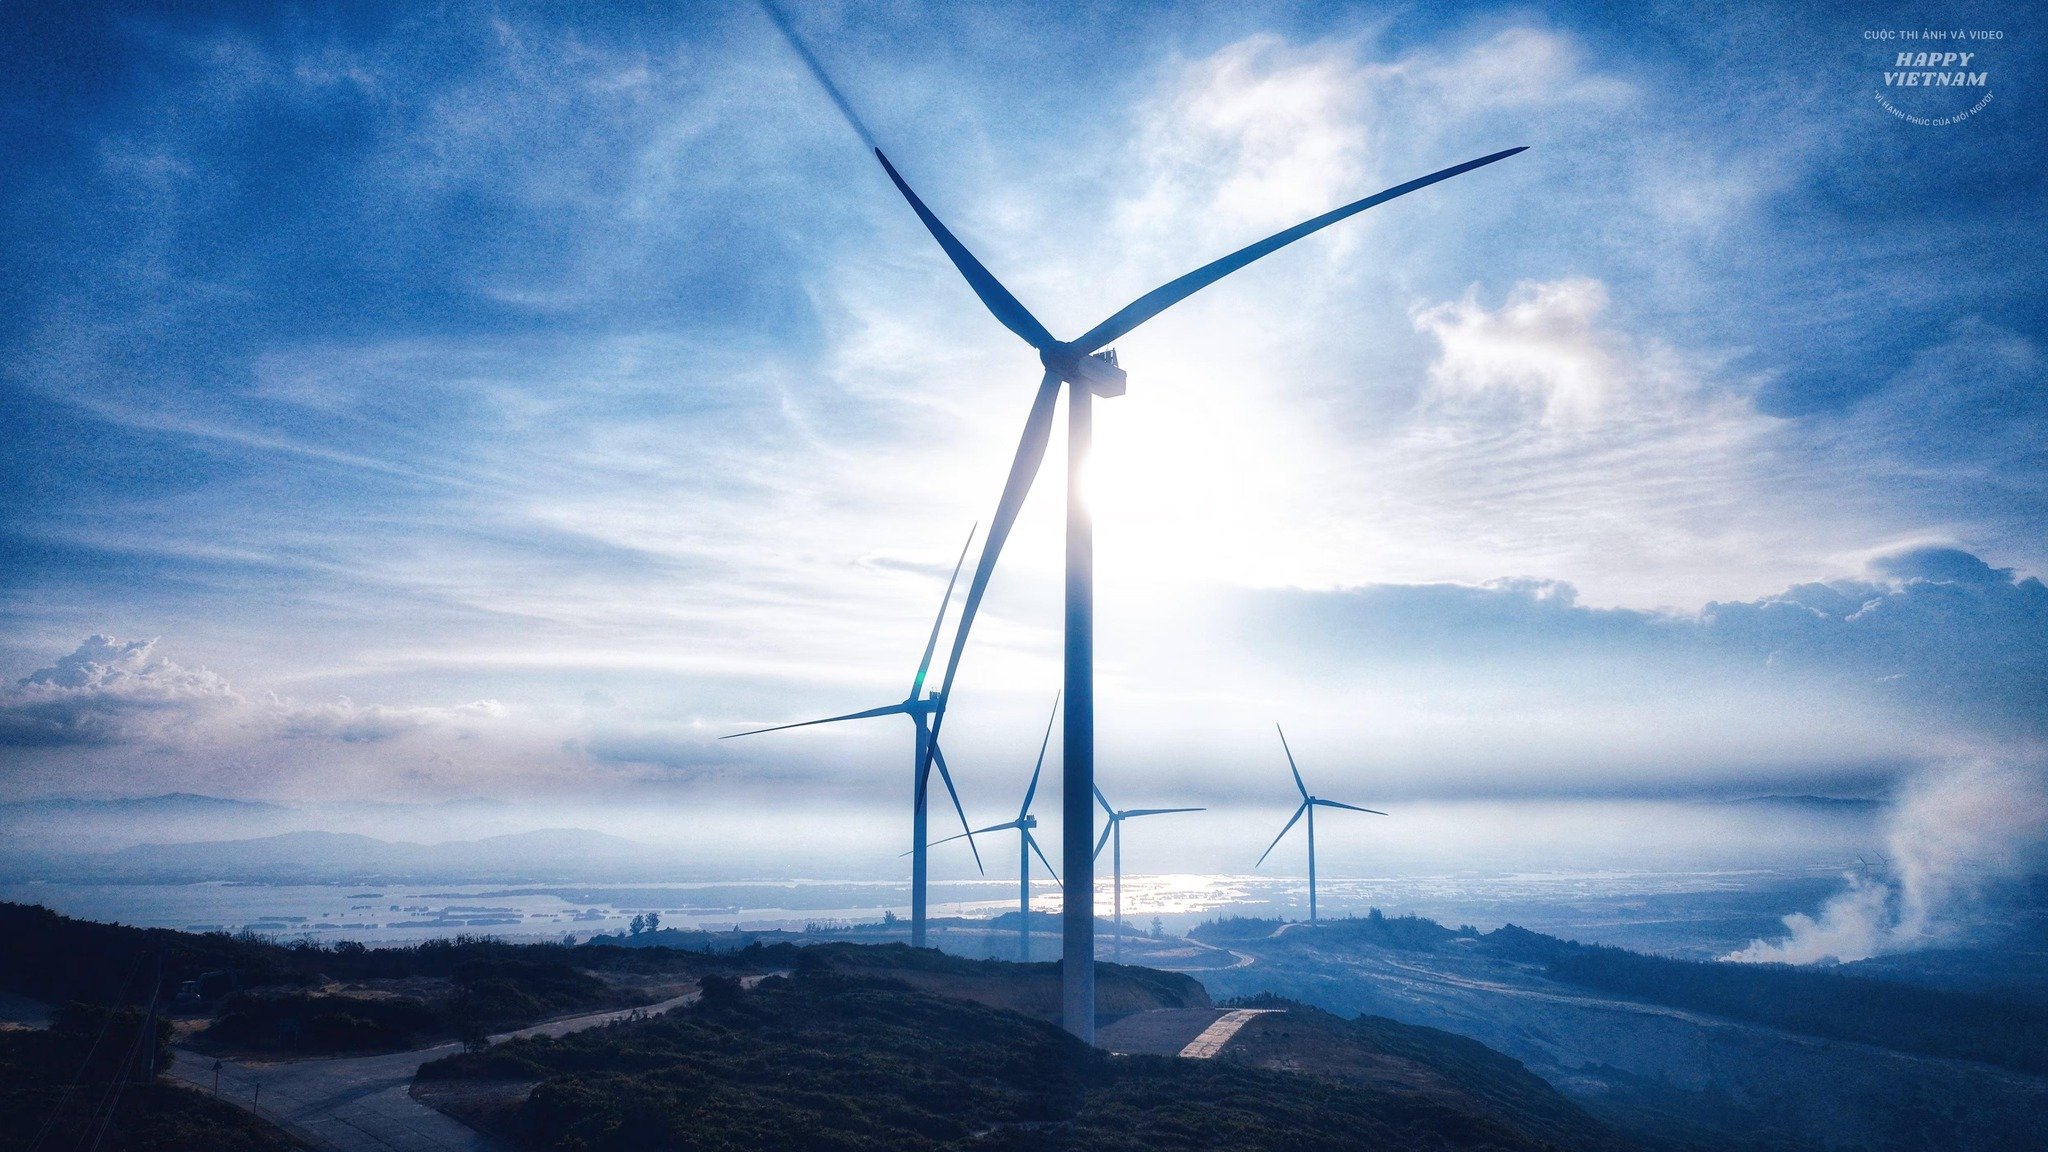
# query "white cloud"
(117, 714)
(108, 692)
(1543, 345)
(1262, 133)
(353, 723)
(1266, 132)
(1957, 832)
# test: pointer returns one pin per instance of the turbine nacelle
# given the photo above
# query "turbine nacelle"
(1096, 371)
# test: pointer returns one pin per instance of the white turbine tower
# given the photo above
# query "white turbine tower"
(1086, 367)
(1113, 834)
(1027, 844)
(1309, 804)
(924, 710)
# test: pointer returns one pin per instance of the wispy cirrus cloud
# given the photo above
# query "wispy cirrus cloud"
(503, 354)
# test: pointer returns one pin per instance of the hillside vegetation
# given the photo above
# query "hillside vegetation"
(1407, 1059)
(83, 1083)
(1817, 1002)
(483, 996)
(829, 1059)
(1813, 1001)
(304, 998)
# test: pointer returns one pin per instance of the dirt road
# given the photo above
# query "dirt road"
(362, 1103)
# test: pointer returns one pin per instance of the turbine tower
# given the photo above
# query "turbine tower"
(1309, 804)
(1088, 368)
(921, 707)
(1027, 844)
(1113, 835)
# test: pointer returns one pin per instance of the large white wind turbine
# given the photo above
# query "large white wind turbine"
(1309, 804)
(924, 709)
(1089, 369)
(1113, 834)
(1027, 844)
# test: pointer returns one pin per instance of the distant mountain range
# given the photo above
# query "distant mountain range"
(554, 854)
(168, 804)
(1819, 805)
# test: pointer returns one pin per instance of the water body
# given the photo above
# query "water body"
(1698, 913)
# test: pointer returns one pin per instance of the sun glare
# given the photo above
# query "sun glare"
(1187, 489)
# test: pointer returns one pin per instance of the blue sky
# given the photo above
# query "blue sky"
(504, 400)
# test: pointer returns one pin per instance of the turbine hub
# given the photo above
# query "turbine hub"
(1098, 371)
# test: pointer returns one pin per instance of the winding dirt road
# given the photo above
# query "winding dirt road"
(363, 1103)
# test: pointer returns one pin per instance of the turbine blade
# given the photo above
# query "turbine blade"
(994, 296)
(1135, 812)
(1042, 746)
(939, 758)
(1023, 469)
(1033, 841)
(1299, 786)
(1283, 833)
(1349, 807)
(931, 643)
(1173, 292)
(783, 25)
(885, 710)
(1104, 839)
(964, 835)
(1100, 799)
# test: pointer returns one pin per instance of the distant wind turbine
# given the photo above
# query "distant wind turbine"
(1113, 834)
(1027, 844)
(1309, 804)
(1089, 368)
(920, 706)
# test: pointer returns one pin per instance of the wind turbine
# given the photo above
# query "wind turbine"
(920, 706)
(1113, 834)
(1027, 844)
(1309, 804)
(1089, 368)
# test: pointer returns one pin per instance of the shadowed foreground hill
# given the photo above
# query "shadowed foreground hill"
(1728, 1056)
(1404, 1059)
(830, 1059)
(1032, 989)
(83, 1083)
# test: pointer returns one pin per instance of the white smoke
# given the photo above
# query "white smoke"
(1954, 833)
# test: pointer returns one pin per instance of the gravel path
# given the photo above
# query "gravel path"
(1216, 1035)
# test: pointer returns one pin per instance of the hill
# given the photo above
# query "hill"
(1821, 1002)
(832, 1058)
(166, 805)
(1723, 1055)
(82, 1083)
(879, 1043)
(306, 998)
(553, 854)
(1403, 1059)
